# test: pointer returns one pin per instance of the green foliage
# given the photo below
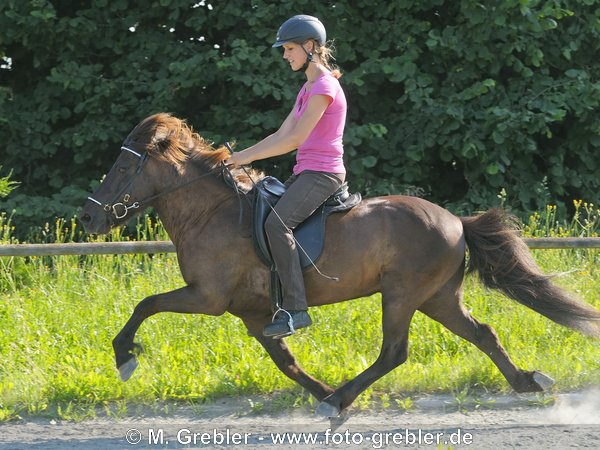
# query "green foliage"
(453, 99)
(6, 185)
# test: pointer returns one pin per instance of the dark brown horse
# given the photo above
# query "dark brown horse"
(409, 250)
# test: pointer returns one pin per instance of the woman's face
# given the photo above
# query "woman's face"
(294, 55)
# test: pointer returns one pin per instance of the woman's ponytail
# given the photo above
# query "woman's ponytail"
(326, 58)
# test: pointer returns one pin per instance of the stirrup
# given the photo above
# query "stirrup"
(290, 321)
(290, 324)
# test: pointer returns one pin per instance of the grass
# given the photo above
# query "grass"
(58, 316)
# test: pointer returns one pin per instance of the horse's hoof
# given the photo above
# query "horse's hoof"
(327, 410)
(336, 422)
(127, 369)
(543, 381)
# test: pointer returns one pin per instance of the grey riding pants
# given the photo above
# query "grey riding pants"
(305, 193)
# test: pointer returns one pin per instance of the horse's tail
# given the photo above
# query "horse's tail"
(503, 261)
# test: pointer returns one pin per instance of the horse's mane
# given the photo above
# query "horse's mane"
(170, 139)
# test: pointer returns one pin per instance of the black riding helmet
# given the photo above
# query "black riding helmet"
(300, 29)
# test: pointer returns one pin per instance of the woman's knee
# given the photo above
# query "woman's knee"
(274, 225)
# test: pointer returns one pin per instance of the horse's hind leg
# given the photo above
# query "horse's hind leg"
(394, 351)
(285, 361)
(446, 307)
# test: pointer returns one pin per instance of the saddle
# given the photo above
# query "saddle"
(310, 234)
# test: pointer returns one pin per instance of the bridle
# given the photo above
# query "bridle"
(120, 209)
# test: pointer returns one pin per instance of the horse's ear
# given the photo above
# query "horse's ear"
(161, 140)
(162, 146)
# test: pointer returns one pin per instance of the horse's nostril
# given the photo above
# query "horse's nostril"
(85, 218)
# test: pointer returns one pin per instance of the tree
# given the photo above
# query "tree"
(457, 100)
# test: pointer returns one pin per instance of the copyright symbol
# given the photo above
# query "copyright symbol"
(133, 436)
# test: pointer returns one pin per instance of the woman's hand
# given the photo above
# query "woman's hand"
(238, 159)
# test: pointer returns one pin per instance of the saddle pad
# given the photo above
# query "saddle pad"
(310, 234)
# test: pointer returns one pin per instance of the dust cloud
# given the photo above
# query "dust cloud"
(581, 408)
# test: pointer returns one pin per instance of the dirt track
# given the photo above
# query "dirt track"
(507, 422)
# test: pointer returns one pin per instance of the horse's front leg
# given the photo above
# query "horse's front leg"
(286, 362)
(184, 300)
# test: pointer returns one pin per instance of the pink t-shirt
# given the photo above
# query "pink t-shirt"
(323, 150)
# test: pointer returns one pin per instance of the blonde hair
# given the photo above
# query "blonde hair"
(326, 57)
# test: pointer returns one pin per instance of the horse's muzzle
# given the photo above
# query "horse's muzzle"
(95, 223)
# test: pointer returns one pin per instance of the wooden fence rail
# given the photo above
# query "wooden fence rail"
(119, 248)
(87, 248)
(558, 243)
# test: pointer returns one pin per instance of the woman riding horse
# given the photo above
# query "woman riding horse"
(315, 127)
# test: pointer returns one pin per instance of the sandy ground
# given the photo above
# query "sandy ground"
(433, 422)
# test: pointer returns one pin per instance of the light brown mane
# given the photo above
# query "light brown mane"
(170, 139)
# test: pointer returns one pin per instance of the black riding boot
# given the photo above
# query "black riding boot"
(285, 323)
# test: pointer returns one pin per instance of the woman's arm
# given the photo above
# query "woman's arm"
(290, 135)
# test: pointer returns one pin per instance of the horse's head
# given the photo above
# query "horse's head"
(156, 149)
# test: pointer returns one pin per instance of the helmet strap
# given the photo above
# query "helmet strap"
(309, 59)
